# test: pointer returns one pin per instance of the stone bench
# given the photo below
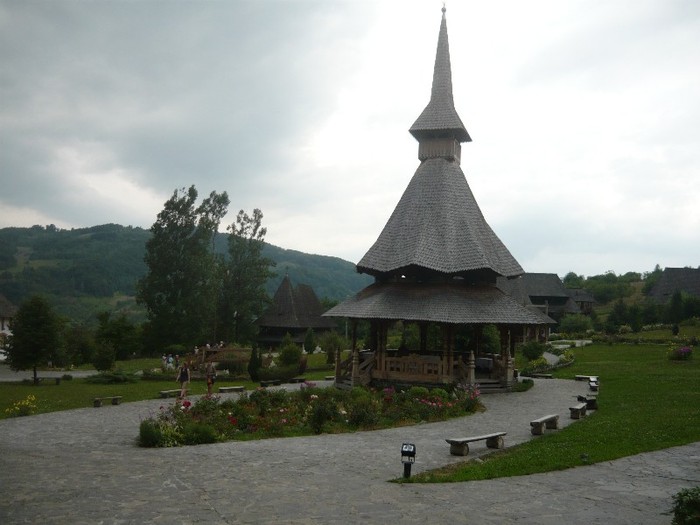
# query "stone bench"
(297, 380)
(171, 393)
(591, 401)
(578, 411)
(538, 425)
(542, 376)
(271, 382)
(593, 385)
(57, 380)
(227, 389)
(586, 378)
(329, 378)
(460, 446)
(115, 400)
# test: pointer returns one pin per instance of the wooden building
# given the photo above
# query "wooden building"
(293, 311)
(672, 280)
(436, 265)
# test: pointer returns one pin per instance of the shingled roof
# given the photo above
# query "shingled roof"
(685, 280)
(295, 308)
(437, 302)
(438, 225)
(440, 115)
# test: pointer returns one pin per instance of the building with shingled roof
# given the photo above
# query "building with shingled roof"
(293, 311)
(436, 264)
(672, 280)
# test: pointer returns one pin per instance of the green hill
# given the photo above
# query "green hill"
(87, 270)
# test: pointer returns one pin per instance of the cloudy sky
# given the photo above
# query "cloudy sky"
(584, 115)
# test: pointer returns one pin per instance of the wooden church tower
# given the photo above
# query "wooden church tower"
(436, 263)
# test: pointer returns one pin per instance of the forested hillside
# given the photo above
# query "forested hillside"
(87, 270)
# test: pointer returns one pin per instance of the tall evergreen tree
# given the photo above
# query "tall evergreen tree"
(180, 289)
(35, 335)
(243, 297)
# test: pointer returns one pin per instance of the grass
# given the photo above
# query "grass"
(77, 393)
(647, 403)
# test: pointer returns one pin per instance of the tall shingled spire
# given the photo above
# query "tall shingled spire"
(437, 226)
(438, 129)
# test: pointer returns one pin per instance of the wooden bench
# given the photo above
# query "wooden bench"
(538, 425)
(226, 389)
(171, 393)
(591, 401)
(578, 411)
(116, 400)
(460, 446)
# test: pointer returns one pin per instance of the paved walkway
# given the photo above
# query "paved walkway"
(82, 466)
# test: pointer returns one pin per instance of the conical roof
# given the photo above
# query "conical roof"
(294, 308)
(440, 118)
(438, 225)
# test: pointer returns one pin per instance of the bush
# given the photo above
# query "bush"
(575, 324)
(283, 373)
(197, 433)
(684, 353)
(364, 412)
(686, 507)
(290, 353)
(536, 366)
(150, 434)
(104, 357)
(533, 350)
(254, 365)
(111, 378)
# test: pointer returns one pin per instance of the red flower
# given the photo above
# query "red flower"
(233, 420)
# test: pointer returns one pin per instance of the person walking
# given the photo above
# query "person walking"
(183, 377)
(210, 372)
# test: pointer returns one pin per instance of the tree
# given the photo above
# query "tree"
(245, 273)
(575, 324)
(310, 341)
(35, 336)
(180, 289)
(331, 343)
(571, 280)
(120, 333)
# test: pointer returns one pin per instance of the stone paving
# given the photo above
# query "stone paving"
(83, 467)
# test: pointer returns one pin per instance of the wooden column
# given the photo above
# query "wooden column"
(355, 355)
(471, 369)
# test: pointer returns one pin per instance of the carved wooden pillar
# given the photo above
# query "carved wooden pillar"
(355, 355)
(471, 369)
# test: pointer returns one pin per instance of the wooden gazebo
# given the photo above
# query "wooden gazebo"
(436, 263)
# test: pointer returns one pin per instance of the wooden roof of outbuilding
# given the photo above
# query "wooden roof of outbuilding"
(685, 280)
(294, 307)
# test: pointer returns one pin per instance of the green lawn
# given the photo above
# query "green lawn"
(646, 403)
(77, 393)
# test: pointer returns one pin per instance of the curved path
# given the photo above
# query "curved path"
(82, 466)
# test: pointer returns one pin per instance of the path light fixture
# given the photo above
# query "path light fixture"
(408, 458)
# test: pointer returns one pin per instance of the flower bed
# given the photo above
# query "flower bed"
(683, 353)
(279, 413)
